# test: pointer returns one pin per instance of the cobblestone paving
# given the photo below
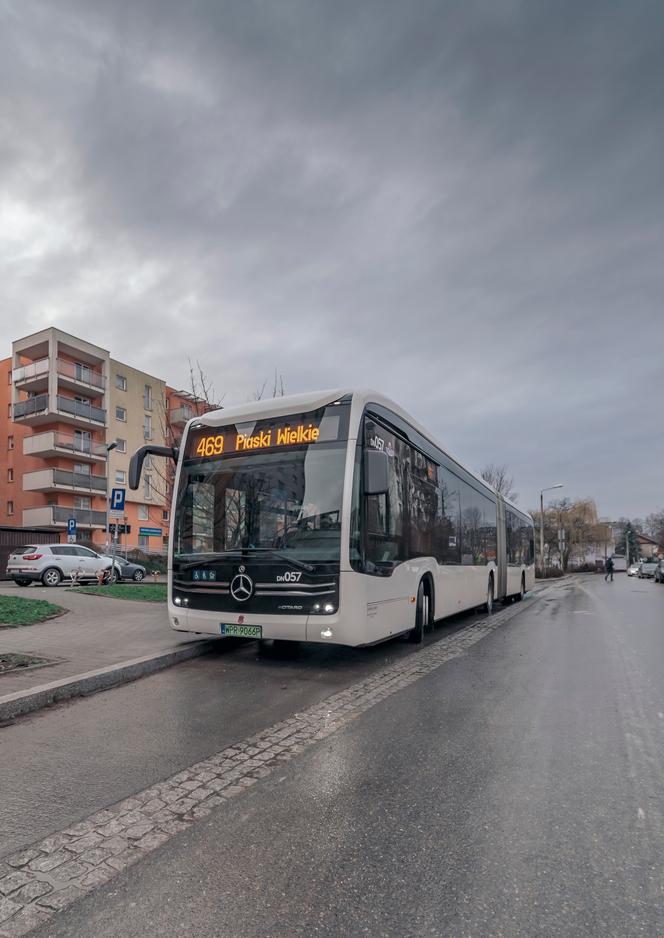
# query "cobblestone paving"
(37, 882)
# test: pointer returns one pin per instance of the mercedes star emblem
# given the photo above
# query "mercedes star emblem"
(242, 587)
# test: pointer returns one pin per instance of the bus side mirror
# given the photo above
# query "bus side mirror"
(376, 475)
(137, 460)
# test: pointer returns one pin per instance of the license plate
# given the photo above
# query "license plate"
(242, 631)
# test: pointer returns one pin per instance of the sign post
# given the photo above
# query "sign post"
(117, 509)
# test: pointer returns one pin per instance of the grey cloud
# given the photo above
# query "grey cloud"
(459, 204)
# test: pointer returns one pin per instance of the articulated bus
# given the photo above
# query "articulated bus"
(331, 517)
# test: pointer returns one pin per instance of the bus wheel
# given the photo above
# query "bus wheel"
(416, 635)
(522, 592)
(489, 597)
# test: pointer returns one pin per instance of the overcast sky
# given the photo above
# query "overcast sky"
(460, 204)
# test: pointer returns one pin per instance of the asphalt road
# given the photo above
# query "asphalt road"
(145, 731)
(516, 790)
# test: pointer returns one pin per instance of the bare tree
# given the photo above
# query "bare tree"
(277, 387)
(498, 477)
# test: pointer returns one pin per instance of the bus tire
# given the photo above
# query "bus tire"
(522, 592)
(488, 605)
(422, 615)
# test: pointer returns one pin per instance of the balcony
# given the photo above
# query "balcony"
(75, 411)
(59, 480)
(33, 411)
(36, 410)
(54, 516)
(53, 443)
(180, 415)
(32, 377)
(80, 378)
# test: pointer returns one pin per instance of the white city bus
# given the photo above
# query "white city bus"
(331, 517)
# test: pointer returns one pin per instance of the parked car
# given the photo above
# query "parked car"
(659, 572)
(647, 568)
(633, 569)
(126, 570)
(52, 563)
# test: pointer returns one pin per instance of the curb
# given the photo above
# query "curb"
(91, 682)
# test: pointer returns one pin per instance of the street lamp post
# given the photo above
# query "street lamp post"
(547, 488)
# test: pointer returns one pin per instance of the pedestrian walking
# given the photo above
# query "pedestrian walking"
(608, 566)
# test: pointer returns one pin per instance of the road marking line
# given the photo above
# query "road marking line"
(56, 871)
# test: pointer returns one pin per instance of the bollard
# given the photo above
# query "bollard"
(155, 575)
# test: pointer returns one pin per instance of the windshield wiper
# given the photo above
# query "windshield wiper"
(301, 564)
(241, 551)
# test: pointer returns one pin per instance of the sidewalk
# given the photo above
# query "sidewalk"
(96, 633)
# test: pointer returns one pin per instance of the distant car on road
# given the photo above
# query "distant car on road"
(126, 570)
(53, 563)
(659, 572)
(633, 569)
(647, 569)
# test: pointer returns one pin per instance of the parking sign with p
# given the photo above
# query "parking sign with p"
(117, 499)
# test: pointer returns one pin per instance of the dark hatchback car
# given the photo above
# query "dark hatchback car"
(126, 570)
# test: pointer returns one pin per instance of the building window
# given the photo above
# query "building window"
(164, 514)
(9, 411)
(143, 513)
(82, 468)
(122, 446)
(121, 414)
(10, 475)
(82, 501)
(121, 382)
(120, 476)
(147, 464)
(10, 442)
(10, 507)
(147, 397)
(147, 426)
(9, 375)
(82, 372)
(143, 540)
(147, 486)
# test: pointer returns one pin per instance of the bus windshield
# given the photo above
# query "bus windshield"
(283, 500)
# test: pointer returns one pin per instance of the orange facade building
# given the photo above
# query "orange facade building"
(70, 419)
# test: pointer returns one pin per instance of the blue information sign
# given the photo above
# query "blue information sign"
(71, 525)
(150, 532)
(117, 499)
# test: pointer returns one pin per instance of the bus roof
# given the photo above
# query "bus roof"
(300, 403)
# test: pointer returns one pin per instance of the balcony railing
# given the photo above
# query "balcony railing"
(67, 405)
(80, 373)
(80, 480)
(34, 405)
(57, 516)
(53, 442)
(180, 415)
(84, 516)
(30, 372)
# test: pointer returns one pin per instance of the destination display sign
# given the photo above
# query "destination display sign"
(210, 442)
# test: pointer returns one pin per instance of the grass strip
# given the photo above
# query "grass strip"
(144, 592)
(15, 611)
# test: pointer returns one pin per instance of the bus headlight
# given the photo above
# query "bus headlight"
(177, 601)
(328, 607)
(326, 633)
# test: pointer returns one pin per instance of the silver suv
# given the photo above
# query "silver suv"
(52, 563)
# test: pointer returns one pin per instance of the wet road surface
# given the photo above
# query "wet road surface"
(517, 790)
(145, 731)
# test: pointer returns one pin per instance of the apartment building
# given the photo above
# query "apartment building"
(70, 418)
